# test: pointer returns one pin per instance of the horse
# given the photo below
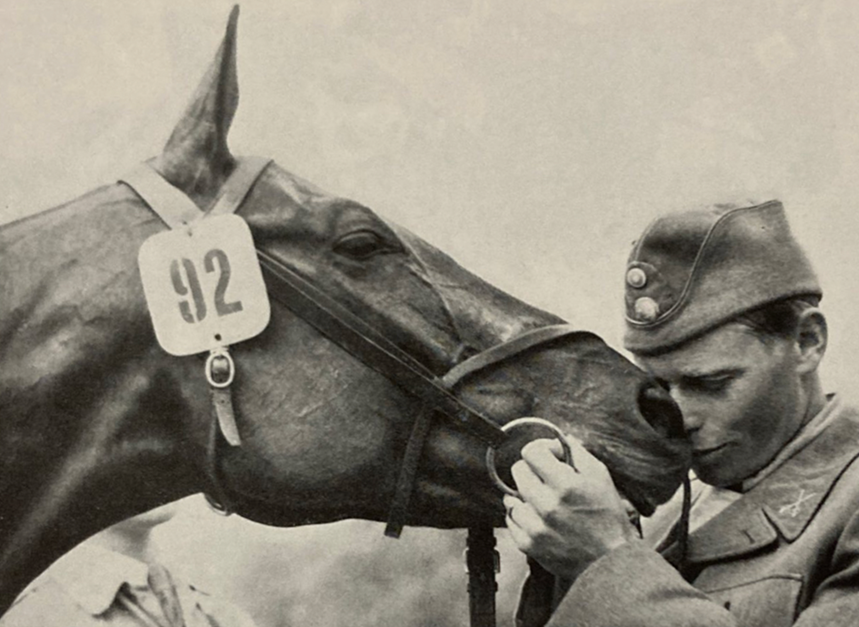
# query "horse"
(99, 423)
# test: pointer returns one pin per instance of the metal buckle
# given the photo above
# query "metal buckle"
(220, 364)
(520, 422)
(496, 560)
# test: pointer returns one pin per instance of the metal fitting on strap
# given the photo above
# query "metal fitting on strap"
(220, 368)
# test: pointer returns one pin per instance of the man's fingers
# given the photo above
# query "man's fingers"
(556, 447)
(530, 486)
(582, 459)
(510, 502)
(542, 460)
(565, 518)
(546, 499)
(522, 539)
(523, 516)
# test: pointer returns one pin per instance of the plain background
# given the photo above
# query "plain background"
(531, 141)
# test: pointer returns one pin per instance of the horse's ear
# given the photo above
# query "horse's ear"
(196, 158)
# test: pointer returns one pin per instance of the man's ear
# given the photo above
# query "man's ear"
(811, 339)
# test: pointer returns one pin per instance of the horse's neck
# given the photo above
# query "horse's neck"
(92, 411)
(71, 319)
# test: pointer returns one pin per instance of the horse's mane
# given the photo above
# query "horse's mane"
(68, 234)
(38, 217)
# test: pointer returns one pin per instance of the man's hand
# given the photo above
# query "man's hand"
(568, 519)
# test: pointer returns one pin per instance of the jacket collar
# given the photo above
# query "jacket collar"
(786, 500)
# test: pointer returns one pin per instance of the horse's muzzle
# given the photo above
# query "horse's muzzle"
(660, 411)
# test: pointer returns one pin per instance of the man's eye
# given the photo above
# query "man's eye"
(715, 384)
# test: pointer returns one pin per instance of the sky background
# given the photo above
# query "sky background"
(531, 141)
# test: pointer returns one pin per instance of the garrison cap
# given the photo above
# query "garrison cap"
(693, 270)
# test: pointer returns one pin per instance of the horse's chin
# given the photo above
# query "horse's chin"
(446, 507)
(284, 515)
(419, 517)
(431, 505)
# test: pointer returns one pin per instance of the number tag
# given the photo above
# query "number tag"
(203, 285)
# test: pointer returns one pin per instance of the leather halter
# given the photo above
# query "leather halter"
(373, 349)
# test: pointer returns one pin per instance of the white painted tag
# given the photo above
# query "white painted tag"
(203, 285)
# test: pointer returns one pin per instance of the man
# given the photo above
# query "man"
(112, 579)
(722, 308)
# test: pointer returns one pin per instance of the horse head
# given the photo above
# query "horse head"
(100, 423)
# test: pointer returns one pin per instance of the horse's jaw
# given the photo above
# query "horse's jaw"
(325, 465)
(433, 505)
(452, 488)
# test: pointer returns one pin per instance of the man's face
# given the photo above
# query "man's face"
(740, 397)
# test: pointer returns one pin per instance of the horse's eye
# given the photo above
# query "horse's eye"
(361, 245)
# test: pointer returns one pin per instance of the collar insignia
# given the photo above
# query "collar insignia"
(792, 509)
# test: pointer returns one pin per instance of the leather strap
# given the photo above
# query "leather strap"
(222, 399)
(235, 190)
(408, 473)
(167, 202)
(511, 348)
(176, 209)
(216, 496)
(481, 560)
(685, 513)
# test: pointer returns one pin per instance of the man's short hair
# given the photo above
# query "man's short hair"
(777, 320)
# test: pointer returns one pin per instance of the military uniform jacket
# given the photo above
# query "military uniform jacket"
(786, 553)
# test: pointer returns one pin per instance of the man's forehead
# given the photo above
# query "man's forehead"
(725, 348)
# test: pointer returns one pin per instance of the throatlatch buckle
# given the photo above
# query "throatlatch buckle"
(220, 372)
(220, 368)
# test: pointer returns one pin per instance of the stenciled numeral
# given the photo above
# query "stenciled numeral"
(195, 289)
(222, 308)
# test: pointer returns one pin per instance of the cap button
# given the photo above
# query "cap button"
(646, 309)
(636, 278)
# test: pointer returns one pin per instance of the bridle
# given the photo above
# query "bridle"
(369, 346)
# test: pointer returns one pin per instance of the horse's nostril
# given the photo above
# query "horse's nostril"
(660, 410)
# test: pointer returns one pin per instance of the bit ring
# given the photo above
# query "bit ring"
(522, 422)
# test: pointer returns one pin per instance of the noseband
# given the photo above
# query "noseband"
(369, 346)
